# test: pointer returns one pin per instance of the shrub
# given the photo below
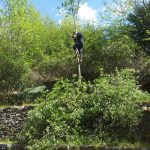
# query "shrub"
(144, 75)
(14, 73)
(73, 112)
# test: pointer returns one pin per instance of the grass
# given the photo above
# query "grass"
(3, 106)
(119, 144)
(7, 141)
(136, 144)
(108, 142)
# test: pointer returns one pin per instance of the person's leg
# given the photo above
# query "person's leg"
(74, 47)
(81, 54)
(80, 49)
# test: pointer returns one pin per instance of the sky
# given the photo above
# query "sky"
(89, 11)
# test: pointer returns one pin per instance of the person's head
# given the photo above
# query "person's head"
(73, 35)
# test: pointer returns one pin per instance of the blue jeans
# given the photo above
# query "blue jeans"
(78, 46)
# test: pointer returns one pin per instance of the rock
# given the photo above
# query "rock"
(62, 147)
(18, 147)
(50, 85)
(3, 147)
(73, 148)
(87, 147)
(12, 121)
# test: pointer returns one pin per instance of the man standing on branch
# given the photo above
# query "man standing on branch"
(78, 46)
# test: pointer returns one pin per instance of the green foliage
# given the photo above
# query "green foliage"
(34, 49)
(20, 44)
(70, 7)
(139, 21)
(109, 48)
(73, 112)
(59, 56)
(30, 94)
(42, 50)
(144, 73)
(13, 73)
(117, 11)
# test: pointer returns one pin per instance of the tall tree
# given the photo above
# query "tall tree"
(71, 7)
(20, 27)
(140, 22)
(117, 11)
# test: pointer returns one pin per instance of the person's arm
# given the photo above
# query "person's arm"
(74, 36)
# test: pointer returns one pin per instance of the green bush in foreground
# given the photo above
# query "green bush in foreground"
(76, 113)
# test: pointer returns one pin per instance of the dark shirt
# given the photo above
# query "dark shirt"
(78, 38)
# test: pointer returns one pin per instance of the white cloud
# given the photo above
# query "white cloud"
(87, 13)
(59, 21)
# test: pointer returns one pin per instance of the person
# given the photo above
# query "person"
(78, 46)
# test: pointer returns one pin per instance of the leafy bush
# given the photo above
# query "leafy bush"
(144, 74)
(139, 21)
(20, 44)
(119, 50)
(73, 112)
(108, 47)
(13, 73)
